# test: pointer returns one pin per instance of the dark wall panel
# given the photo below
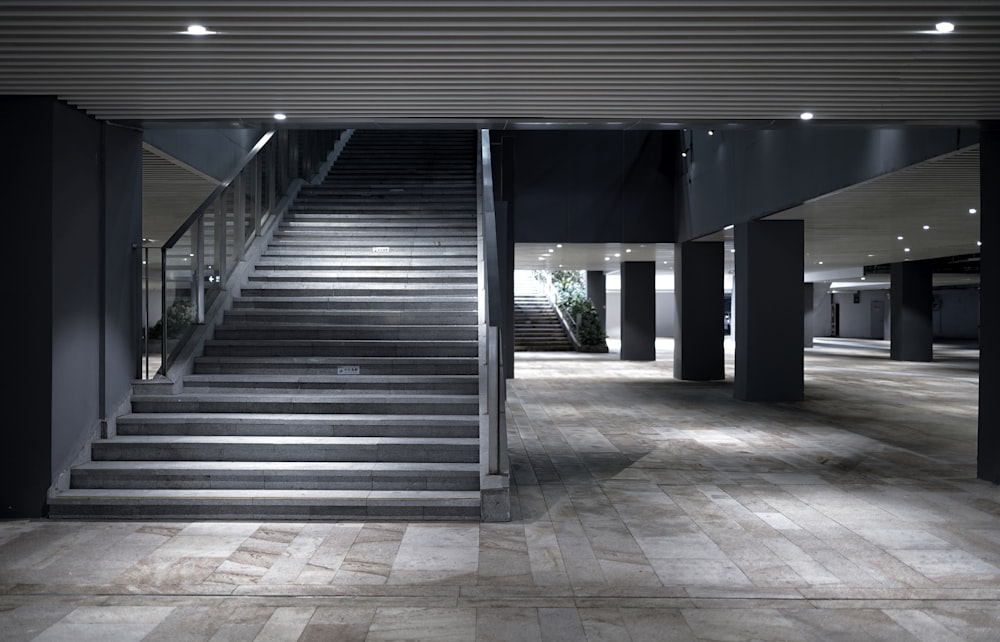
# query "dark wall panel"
(123, 261)
(738, 176)
(25, 468)
(77, 213)
(590, 186)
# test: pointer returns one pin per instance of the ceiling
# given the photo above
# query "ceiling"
(510, 64)
(502, 61)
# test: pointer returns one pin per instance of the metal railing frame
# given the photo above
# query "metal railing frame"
(494, 460)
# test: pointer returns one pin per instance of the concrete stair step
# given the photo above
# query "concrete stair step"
(323, 302)
(262, 504)
(342, 348)
(275, 383)
(267, 364)
(297, 425)
(263, 288)
(356, 317)
(285, 448)
(308, 402)
(463, 276)
(277, 475)
(303, 332)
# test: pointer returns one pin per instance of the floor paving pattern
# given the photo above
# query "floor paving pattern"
(644, 508)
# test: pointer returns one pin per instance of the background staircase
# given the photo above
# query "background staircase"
(343, 383)
(536, 323)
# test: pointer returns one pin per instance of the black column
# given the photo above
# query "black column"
(638, 311)
(769, 271)
(597, 292)
(911, 298)
(989, 304)
(698, 293)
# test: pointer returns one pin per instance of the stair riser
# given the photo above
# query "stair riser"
(114, 451)
(206, 387)
(289, 428)
(344, 349)
(218, 365)
(369, 333)
(435, 304)
(360, 318)
(403, 292)
(225, 481)
(260, 510)
(304, 406)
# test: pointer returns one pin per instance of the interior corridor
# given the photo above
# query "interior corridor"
(644, 508)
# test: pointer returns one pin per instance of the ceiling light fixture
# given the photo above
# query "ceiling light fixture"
(198, 30)
(944, 27)
(711, 132)
(979, 243)
(806, 115)
(927, 227)
(899, 238)
(280, 116)
(972, 210)
(906, 249)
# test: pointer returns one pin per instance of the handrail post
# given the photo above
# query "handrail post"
(198, 286)
(163, 310)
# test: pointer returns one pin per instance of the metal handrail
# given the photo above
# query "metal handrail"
(495, 460)
(197, 217)
(290, 156)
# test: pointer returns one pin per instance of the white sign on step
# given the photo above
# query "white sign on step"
(381, 249)
(348, 370)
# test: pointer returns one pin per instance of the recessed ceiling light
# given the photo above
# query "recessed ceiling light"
(280, 116)
(899, 238)
(733, 251)
(927, 227)
(617, 254)
(863, 279)
(542, 258)
(806, 115)
(198, 30)
(607, 258)
(944, 27)
(627, 251)
(551, 250)
(559, 245)
(972, 210)
(711, 132)
(684, 154)
(906, 249)
(820, 262)
(870, 255)
(979, 243)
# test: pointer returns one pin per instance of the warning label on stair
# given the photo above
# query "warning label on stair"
(381, 249)
(348, 370)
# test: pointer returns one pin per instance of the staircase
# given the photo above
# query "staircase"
(343, 383)
(537, 327)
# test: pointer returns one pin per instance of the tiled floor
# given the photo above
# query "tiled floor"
(644, 509)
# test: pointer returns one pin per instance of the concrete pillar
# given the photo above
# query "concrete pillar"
(989, 304)
(808, 316)
(638, 311)
(769, 271)
(911, 299)
(597, 291)
(698, 292)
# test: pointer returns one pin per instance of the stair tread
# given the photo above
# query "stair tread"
(257, 494)
(281, 466)
(283, 440)
(285, 418)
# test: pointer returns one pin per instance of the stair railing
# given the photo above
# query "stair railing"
(494, 463)
(198, 260)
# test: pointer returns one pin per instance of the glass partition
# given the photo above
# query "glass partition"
(195, 263)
